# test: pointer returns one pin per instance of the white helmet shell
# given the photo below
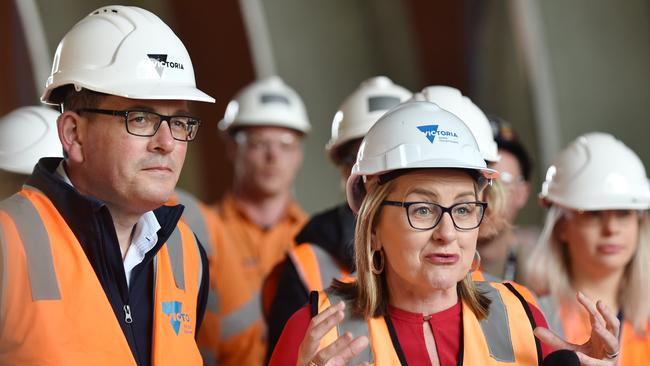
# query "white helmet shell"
(266, 102)
(361, 109)
(452, 100)
(125, 51)
(597, 172)
(26, 135)
(415, 134)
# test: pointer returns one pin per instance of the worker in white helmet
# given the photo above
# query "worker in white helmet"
(95, 270)
(326, 245)
(416, 188)
(263, 127)
(596, 241)
(500, 255)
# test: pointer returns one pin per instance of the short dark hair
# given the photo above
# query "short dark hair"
(507, 140)
(70, 99)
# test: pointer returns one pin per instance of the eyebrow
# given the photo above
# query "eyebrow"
(178, 112)
(430, 194)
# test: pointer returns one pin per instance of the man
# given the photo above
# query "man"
(499, 255)
(326, 247)
(95, 271)
(264, 126)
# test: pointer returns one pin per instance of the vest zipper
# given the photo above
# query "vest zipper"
(127, 314)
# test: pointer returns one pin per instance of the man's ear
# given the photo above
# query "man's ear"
(231, 147)
(71, 127)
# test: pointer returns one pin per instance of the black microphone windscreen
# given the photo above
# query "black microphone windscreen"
(562, 357)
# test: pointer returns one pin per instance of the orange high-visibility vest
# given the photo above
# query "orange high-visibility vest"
(53, 310)
(316, 268)
(484, 341)
(479, 276)
(569, 323)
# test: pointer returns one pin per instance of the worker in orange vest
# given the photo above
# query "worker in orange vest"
(325, 249)
(596, 241)
(263, 126)
(95, 270)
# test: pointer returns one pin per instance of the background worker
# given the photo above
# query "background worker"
(596, 241)
(26, 135)
(88, 234)
(326, 243)
(499, 254)
(264, 126)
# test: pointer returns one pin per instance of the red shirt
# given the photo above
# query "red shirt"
(446, 327)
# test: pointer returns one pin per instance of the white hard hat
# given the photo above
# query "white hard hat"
(361, 109)
(26, 135)
(597, 172)
(452, 100)
(266, 102)
(125, 51)
(415, 134)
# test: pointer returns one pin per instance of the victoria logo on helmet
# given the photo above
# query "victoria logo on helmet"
(160, 62)
(431, 131)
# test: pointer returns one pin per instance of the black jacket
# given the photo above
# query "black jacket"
(332, 230)
(91, 223)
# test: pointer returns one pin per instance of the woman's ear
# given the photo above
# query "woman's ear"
(71, 128)
(559, 232)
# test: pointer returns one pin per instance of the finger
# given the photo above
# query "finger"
(318, 327)
(340, 306)
(588, 361)
(588, 304)
(609, 340)
(344, 349)
(553, 340)
(613, 323)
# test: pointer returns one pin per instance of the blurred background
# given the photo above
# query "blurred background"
(554, 69)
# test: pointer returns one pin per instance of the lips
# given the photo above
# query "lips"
(442, 258)
(609, 249)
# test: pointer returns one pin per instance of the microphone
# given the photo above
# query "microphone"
(562, 357)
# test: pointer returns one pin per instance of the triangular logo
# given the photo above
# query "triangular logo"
(171, 308)
(159, 61)
(429, 131)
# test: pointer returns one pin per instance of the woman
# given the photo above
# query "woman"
(595, 241)
(415, 187)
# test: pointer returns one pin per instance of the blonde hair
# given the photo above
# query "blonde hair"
(369, 292)
(494, 221)
(548, 269)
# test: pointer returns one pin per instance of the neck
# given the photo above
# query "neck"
(263, 210)
(418, 300)
(123, 220)
(604, 287)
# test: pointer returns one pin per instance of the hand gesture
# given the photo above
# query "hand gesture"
(340, 352)
(602, 347)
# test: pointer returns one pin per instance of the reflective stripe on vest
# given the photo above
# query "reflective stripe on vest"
(504, 337)
(242, 318)
(33, 235)
(316, 267)
(194, 218)
(78, 326)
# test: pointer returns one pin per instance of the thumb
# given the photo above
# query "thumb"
(552, 339)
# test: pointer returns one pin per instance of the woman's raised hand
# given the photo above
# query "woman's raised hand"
(603, 346)
(340, 352)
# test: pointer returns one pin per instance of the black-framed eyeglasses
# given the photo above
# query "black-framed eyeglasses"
(427, 215)
(146, 123)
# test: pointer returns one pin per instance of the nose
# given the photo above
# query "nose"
(609, 222)
(163, 141)
(445, 231)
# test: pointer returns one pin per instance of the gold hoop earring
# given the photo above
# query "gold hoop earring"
(476, 262)
(373, 268)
